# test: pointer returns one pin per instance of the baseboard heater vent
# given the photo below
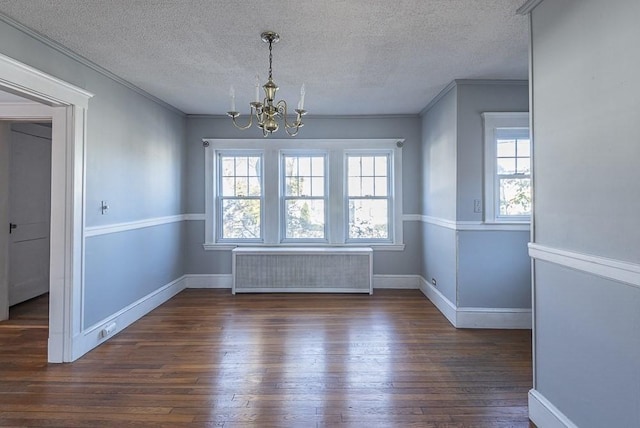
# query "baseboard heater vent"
(311, 270)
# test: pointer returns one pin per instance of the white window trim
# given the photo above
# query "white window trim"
(335, 149)
(493, 121)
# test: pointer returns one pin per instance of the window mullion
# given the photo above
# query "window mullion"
(335, 197)
(271, 205)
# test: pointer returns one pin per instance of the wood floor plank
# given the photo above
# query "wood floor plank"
(208, 358)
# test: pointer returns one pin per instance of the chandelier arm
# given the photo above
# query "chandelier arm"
(292, 134)
(282, 108)
(241, 127)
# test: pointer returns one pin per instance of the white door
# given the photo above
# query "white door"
(29, 211)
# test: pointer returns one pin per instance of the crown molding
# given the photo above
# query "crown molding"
(460, 82)
(516, 82)
(438, 97)
(86, 62)
(528, 6)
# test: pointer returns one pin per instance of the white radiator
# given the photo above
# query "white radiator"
(311, 270)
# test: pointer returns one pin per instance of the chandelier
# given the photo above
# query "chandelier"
(268, 113)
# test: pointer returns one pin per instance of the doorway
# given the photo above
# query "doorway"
(65, 105)
(36, 237)
(29, 188)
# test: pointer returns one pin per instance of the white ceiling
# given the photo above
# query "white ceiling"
(355, 56)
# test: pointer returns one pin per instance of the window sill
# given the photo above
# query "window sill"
(376, 247)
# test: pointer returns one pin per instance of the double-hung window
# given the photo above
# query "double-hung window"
(507, 167)
(368, 196)
(304, 196)
(240, 196)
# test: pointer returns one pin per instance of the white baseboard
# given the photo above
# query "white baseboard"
(397, 282)
(502, 318)
(92, 337)
(546, 415)
(55, 347)
(209, 280)
(460, 317)
(443, 304)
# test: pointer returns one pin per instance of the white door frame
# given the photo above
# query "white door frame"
(66, 106)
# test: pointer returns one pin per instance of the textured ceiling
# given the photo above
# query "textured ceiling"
(355, 56)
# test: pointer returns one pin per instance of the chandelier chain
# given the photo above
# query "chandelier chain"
(270, 59)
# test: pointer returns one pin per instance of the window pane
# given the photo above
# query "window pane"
(290, 166)
(353, 165)
(317, 165)
(507, 166)
(305, 186)
(381, 166)
(381, 186)
(254, 186)
(367, 165)
(355, 188)
(506, 148)
(292, 186)
(515, 196)
(241, 218)
(242, 186)
(317, 186)
(228, 186)
(524, 166)
(304, 219)
(367, 186)
(368, 219)
(242, 165)
(304, 166)
(524, 148)
(228, 166)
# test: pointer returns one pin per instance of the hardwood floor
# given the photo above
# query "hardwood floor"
(207, 358)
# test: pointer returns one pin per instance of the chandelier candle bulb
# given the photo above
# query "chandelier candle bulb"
(301, 103)
(232, 95)
(257, 88)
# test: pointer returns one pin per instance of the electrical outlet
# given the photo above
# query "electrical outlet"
(433, 281)
(108, 330)
(477, 206)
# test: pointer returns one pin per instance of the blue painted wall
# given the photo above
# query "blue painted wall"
(135, 160)
(472, 268)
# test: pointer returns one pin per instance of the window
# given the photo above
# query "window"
(368, 196)
(304, 197)
(303, 192)
(507, 167)
(240, 196)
